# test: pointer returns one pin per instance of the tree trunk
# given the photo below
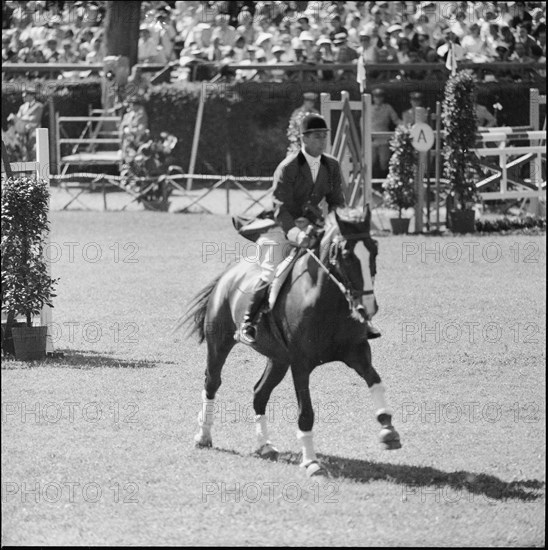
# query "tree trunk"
(122, 29)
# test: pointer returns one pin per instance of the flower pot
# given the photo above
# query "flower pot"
(400, 226)
(158, 206)
(29, 343)
(7, 337)
(462, 221)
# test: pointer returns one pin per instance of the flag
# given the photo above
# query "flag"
(361, 76)
(451, 61)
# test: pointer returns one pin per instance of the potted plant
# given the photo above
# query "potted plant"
(399, 187)
(147, 161)
(460, 164)
(26, 283)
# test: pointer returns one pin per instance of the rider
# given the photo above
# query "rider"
(303, 178)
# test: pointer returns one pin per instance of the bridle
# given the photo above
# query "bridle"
(337, 248)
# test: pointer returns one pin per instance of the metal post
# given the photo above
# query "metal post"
(42, 158)
(438, 163)
(420, 116)
(366, 144)
(196, 139)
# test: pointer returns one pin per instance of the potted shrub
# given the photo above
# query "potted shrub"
(146, 164)
(460, 164)
(26, 284)
(399, 187)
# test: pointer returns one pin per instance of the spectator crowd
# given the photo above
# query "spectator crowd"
(216, 34)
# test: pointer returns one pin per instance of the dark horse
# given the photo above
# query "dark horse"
(313, 321)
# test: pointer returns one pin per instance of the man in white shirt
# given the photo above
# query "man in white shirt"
(303, 178)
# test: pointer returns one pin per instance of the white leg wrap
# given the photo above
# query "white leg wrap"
(261, 430)
(379, 402)
(207, 413)
(308, 447)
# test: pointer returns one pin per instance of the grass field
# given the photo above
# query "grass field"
(98, 449)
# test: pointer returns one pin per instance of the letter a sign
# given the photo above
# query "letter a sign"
(422, 136)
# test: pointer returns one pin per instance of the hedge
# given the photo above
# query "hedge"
(244, 126)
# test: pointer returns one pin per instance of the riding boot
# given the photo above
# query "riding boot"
(248, 330)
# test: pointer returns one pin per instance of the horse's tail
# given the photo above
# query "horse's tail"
(194, 317)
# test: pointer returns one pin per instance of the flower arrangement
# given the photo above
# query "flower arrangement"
(460, 125)
(399, 187)
(147, 161)
(294, 132)
(26, 283)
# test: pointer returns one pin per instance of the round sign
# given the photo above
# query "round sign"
(422, 136)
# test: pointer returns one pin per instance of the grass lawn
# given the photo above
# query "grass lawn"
(98, 446)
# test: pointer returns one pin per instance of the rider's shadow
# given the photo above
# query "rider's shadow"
(412, 478)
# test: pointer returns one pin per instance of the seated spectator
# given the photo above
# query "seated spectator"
(8, 54)
(67, 54)
(147, 47)
(240, 49)
(506, 38)
(354, 30)
(223, 31)
(473, 45)
(164, 29)
(520, 54)
(325, 55)
(51, 52)
(521, 15)
(336, 27)
(245, 25)
(278, 75)
(214, 51)
(28, 118)
(264, 43)
(96, 55)
(404, 48)
(307, 40)
(367, 51)
(523, 37)
(502, 52)
(344, 54)
(393, 34)
(426, 53)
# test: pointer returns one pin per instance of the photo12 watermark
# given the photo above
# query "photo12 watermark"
(437, 252)
(469, 332)
(54, 412)
(232, 412)
(270, 491)
(93, 332)
(469, 412)
(91, 252)
(69, 492)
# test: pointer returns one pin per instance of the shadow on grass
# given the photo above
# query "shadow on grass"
(80, 360)
(412, 478)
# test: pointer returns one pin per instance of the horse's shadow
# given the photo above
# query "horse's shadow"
(412, 478)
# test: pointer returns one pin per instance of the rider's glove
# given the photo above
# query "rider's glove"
(299, 237)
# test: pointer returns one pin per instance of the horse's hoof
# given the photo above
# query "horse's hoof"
(389, 439)
(202, 442)
(315, 469)
(268, 452)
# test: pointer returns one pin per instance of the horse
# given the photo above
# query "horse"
(313, 321)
